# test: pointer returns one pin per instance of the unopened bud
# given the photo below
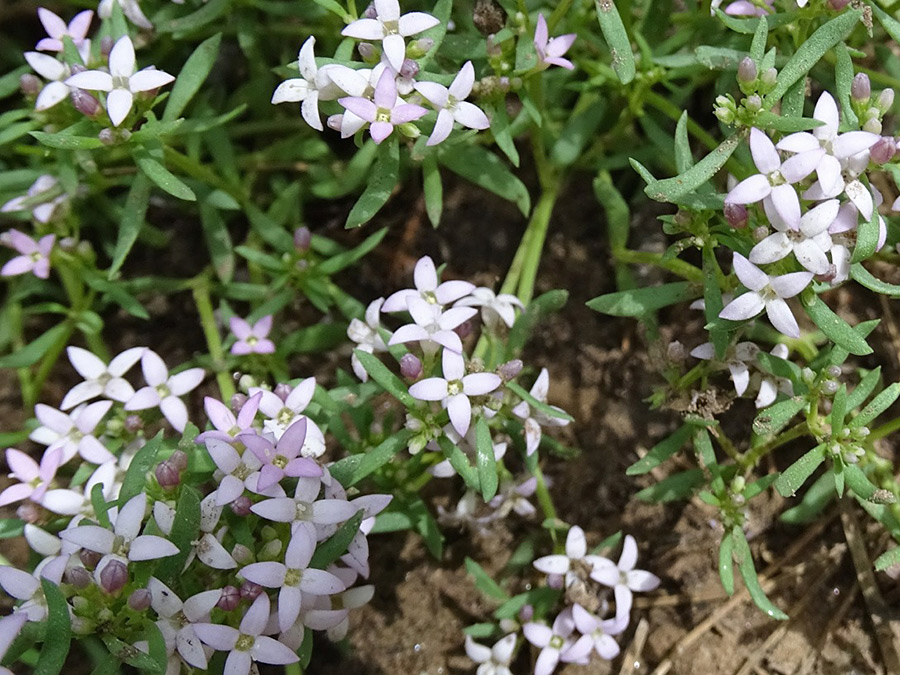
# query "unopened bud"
(334, 122)
(838, 5)
(89, 558)
(140, 599)
(834, 371)
(872, 125)
(830, 387)
(106, 45)
(526, 613)
(241, 506)
(167, 475)
(271, 550)
(283, 390)
(29, 512)
(736, 215)
(753, 103)
(555, 581)
(464, 329)
(675, 351)
(883, 497)
(861, 88)
(418, 48)
(113, 576)
(885, 100)
(30, 84)
(241, 554)
(179, 460)
(302, 238)
(488, 16)
(231, 598)
(883, 151)
(237, 402)
(808, 375)
(747, 71)
(862, 432)
(510, 370)
(250, 591)
(368, 52)
(410, 367)
(107, 137)
(724, 115)
(370, 12)
(769, 77)
(409, 130)
(409, 69)
(760, 233)
(79, 577)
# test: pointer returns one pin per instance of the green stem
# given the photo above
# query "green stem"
(674, 265)
(47, 364)
(884, 430)
(752, 457)
(673, 112)
(545, 501)
(293, 669)
(539, 225)
(213, 341)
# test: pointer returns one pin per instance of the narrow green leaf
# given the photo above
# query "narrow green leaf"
(684, 160)
(726, 563)
(485, 169)
(548, 410)
(36, 349)
(785, 124)
(336, 545)
(391, 383)
(843, 79)
(66, 142)
(759, 486)
(677, 486)
(343, 260)
(579, 130)
(617, 39)
(758, 45)
(838, 410)
(863, 277)
(460, 463)
(864, 389)
(334, 7)
(218, 242)
(660, 452)
(748, 572)
(207, 13)
(59, 632)
(192, 75)
(707, 456)
(672, 189)
(382, 181)
(817, 497)
(350, 470)
(835, 327)
(162, 177)
(796, 474)
(811, 51)
(500, 126)
(100, 505)
(876, 406)
(156, 645)
(185, 531)
(889, 23)
(141, 467)
(867, 234)
(858, 482)
(11, 527)
(485, 461)
(638, 301)
(132, 220)
(888, 559)
(484, 582)
(433, 189)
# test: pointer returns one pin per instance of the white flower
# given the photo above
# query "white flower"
(41, 208)
(598, 633)
(130, 8)
(576, 553)
(56, 72)
(493, 307)
(535, 419)
(121, 82)
(808, 240)
(432, 326)
(427, 288)
(555, 643)
(770, 385)
(494, 660)
(56, 30)
(177, 619)
(164, 390)
(100, 379)
(313, 86)
(736, 359)
(74, 432)
(367, 337)
(623, 578)
(451, 104)
(390, 28)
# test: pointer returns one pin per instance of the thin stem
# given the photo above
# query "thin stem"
(544, 499)
(539, 225)
(884, 430)
(673, 265)
(752, 456)
(213, 341)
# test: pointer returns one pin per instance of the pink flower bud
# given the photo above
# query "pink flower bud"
(302, 238)
(464, 329)
(30, 84)
(283, 390)
(885, 100)
(370, 12)
(84, 102)
(108, 137)
(241, 554)
(106, 45)
(140, 600)
(133, 423)
(79, 577)
(334, 122)
(510, 370)
(736, 215)
(250, 591)
(861, 88)
(367, 52)
(838, 5)
(526, 613)
(167, 475)
(409, 69)
(760, 233)
(237, 402)
(29, 512)
(114, 576)
(410, 367)
(241, 506)
(747, 71)
(231, 598)
(179, 460)
(89, 558)
(883, 151)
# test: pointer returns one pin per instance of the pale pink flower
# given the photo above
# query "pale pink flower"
(44, 195)
(100, 379)
(163, 390)
(238, 471)
(623, 578)
(432, 326)
(492, 660)
(72, 433)
(567, 565)
(555, 643)
(313, 85)
(227, 426)
(550, 50)
(121, 82)
(252, 339)
(808, 240)
(451, 104)
(131, 9)
(54, 70)
(281, 459)
(598, 632)
(57, 29)
(736, 360)
(390, 28)
(24, 586)
(770, 385)
(304, 510)
(177, 619)
(386, 109)
(367, 337)
(427, 287)
(534, 419)
(34, 255)
(34, 479)
(494, 308)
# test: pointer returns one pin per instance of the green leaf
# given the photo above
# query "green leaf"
(759, 486)
(684, 159)
(433, 189)
(867, 234)
(858, 482)
(485, 461)
(672, 189)
(889, 23)
(484, 582)
(617, 39)
(888, 559)
(391, 383)
(336, 545)
(381, 183)
(838, 411)
(100, 505)
(59, 631)
(162, 177)
(876, 406)
(784, 124)
(185, 530)
(500, 128)
(192, 75)
(843, 78)
(542, 599)
(863, 390)
(335, 8)
(834, 327)
(816, 498)
(129, 654)
(218, 241)
(758, 46)
(11, 527)
(796, 474)
(579, 130)
(132, 220)
(863, 277)
(343, 260)
(350, 470)
(811, 51)
(707, 456)
(118, 295)
(660, 452)
(548, 410)
(485, 169)
(36, 349)
(675, 487)
(745, 562)
(638, 301)
(156, 644)
(207, 13)
(459, 462)
(726, 563)
(141, 467)
(61, 141)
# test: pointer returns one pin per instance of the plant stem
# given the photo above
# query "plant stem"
(752, 456)
(673, 265)
(539, 225)
(213, 341)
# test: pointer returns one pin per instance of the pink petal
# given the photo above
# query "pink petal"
(789, 285)
(628, 559)
(787, 204)
(576, 544)
(280, 510)
(639, 580)
(269, 650)
(478, 384)
(774, 247)
(802, 141)
(88, 365)
(240, 328)
(186, 381)
(175, 411)
(223, 638)
(155, 371)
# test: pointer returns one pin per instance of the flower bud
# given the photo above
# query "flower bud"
(271, 550)
(370, 12)
(246, 381)
(237, 402)
(133, 424)
(736, 215)
(760, 233)
(79, 577)
(861, 88)
(106, 45)
(510, 370)
(179, 460)
(89, 558)
(140, 600)
(725, 115)
(231, 598)
(250, 591)
(29, 512)
(769, 77)
(113, 576)
(808, 375)
(409, 69)
(283, 390)
(753, 103)
(368, 52)
(872, 125)
(883, 151)
(30, 84)
(241, 554)
(830, 387)
(334, 122)
(410, 367)
(885, 100)
(464, 329)
(488, 16)
(107, 137)
(555, 581)
(838, 5)
(675, 351)
(241, 506)
(409, 130)
(302, 238)
(167, 475)
(747, 71)
(834, 371)
(526, 613)
(424, 45)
